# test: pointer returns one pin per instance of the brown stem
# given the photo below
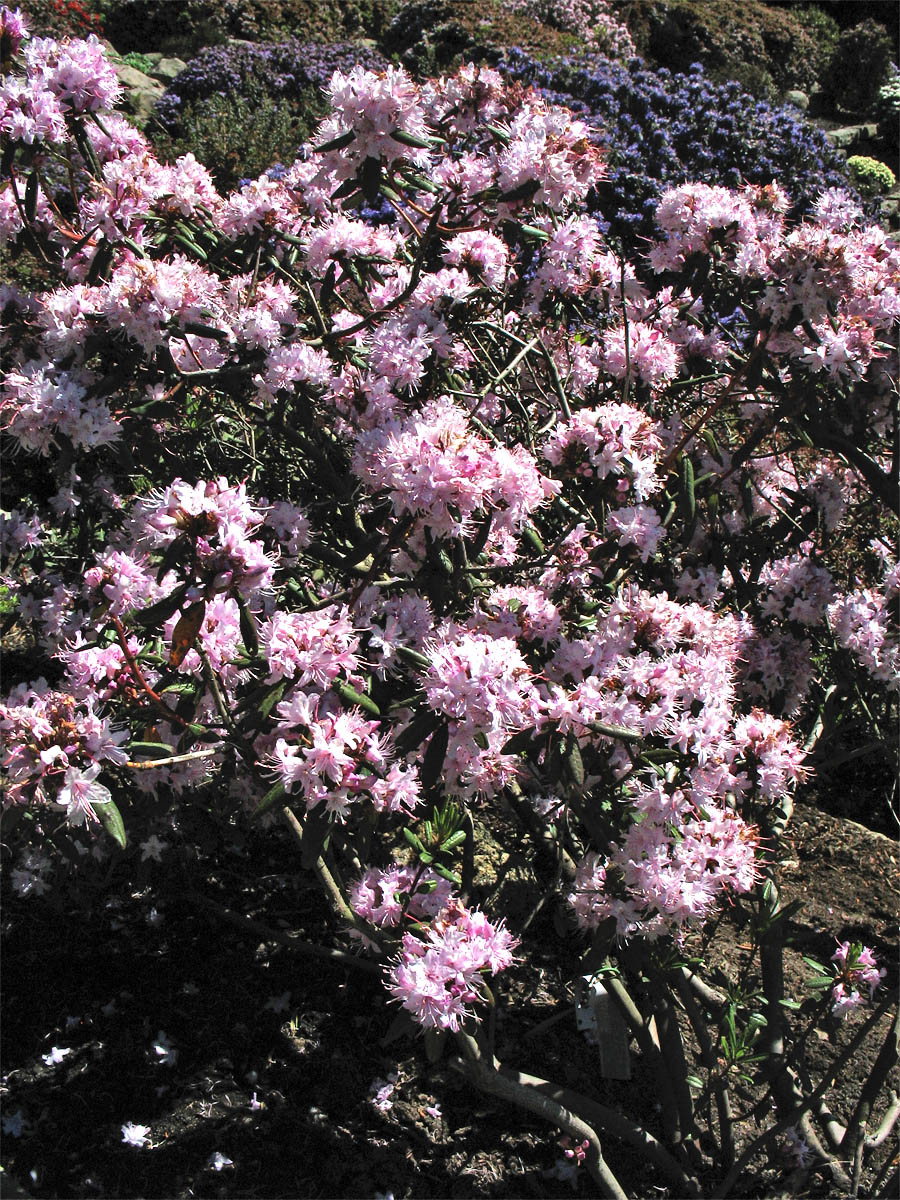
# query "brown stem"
(508, 1087)
(141, 681)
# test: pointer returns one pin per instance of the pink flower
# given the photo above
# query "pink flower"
(373, 107)
(437, 978)
(79, 793)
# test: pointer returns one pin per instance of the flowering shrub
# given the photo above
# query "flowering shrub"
(428, 36)
(513, 528)
(64, 18)
(188, 26)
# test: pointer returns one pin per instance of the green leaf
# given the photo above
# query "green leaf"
(150, 750)
(272, 796)
(337, 143)
(573, 762)
(316, 830)
(159, 613)
(450, 876)
(413, 840)
(688, 499)
(410, 139)
(112, 822)
(272, 699)
(416, 732)
(433, 760)
(351, 696)
(518, 742)
(523, 192)
(413, 657)
(453, 840)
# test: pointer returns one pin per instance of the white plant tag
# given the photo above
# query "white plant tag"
(597, 1015)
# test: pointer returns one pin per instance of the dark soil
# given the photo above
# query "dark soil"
(105, 973)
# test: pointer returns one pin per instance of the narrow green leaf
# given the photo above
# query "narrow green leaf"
(337, 143)
(150, 750)
(413, 840)
(271, 797)
(112, 822)
(433, 760)
(410, 139)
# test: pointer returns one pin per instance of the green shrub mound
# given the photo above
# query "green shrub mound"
(859, 66)
(870, 177)
(185, 26)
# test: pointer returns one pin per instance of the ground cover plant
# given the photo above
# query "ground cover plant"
(403, 549)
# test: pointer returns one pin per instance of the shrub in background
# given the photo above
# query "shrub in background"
(870, 177)
(241, 108)
(189, 25)
(859, 66)
(661, 129)
(726, 38)
(823, 30)
(63, 18)
(887, 108)
(428, 36)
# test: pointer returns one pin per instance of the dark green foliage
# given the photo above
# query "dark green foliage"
(887, 109)
(859, 66)
(823, 30)
(185, 26)
(430, 36)
(241, 135)
(728, 39)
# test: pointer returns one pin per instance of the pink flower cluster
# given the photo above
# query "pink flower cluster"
(41, 404)
(862, 624)
(658, 881)
(219, 522)
(437, 976)
(336, 757)
(382, 896)
(369, 109)
(856, 968)
(314, 647)
(61, 78)
(55, 747)
(434, 467)
(613, 439)
(592, 20)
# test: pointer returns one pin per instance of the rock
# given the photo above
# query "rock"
(797, 99)
(167, 68)
(141, 92)
(844, 138)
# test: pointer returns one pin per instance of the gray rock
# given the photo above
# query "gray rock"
(167, 68)
(843, 138)
(797, 99)
(141, 92)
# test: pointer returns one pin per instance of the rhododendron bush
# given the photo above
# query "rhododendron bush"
(398, 531)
